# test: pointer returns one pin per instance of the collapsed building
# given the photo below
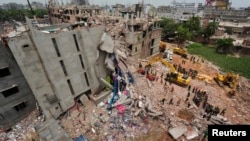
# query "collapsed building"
(140, 34)
(16, 97)
(61, 66)
(70, 62)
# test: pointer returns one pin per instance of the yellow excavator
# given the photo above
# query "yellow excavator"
(230, 79)
(162, 46)
(180, 51)
(173, 75)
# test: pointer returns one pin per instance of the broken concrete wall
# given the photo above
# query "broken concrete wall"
(156, 35)
(151, 42)
(133, 37)
(32, 69)
(63, 72)
(135, 40)
(9, 115)
(137, 49)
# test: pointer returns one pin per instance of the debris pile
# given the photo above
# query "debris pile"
(24, 130)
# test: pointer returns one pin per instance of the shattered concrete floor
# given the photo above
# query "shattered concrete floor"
(96, 123)
(99, 125)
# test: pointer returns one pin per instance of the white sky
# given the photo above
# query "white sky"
(235, 3)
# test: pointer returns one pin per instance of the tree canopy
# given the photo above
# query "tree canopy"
(181, 31)
(193, 25)
(210, 29)
(19, 14)
(224, 45)
(183, 34)
(169, 28)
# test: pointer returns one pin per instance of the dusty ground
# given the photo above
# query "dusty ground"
(97, 124)
(237, 112)
(24, 130)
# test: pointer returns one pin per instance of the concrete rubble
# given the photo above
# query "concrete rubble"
(24, 130)
(129, 110)
(140, 110)
(178, 131)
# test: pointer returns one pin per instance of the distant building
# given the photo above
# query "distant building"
(214, 13)
(188, 7)
(142, 35)
(72, 14)
(180, 12)
(235, 27)
(11, 5)
(80, 2)
(16, 97)
(7, 27)
(37, 5)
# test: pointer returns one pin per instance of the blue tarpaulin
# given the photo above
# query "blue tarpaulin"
(82, 138)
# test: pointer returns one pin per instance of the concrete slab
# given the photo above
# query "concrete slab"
(178, 131)
(100, 97)
(84, 99)
(107, 44)
(191, 133)
(50, 130)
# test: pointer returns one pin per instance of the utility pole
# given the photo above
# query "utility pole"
(30, 8)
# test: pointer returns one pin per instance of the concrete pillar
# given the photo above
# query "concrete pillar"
(132, 15)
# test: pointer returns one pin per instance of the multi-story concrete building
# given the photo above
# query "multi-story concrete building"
(16, 97)
(11, 5)
(61, 66)
(143, 38)
(180, 12)
(226, 15)
(142, 35)
(72, 14)
(188, 7)
(37, 5)
(237, 21)
(80, 2)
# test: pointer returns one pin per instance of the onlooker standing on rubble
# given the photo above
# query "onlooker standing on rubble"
(223, 112)
(171, 101)
(172, 89)
(179, 102)
(189, 87)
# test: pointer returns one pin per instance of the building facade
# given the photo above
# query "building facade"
(143, 39)
(72, 14)
(16, 97)
(226, 15)
(142, 35)
(188, 7)
(180, 12)
(60, 67)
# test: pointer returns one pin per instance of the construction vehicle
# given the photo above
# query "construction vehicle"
(168, 54)
(162, 46)
(180, 51)
(173, 76)
(230, 79)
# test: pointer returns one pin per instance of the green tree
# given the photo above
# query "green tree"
(224, 45)
(40, 13)
(229, 31)
(169, 28)
(193, 25)
(19, 14)
(210, 29)
(183, 34)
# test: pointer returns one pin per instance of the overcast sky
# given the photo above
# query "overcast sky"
(235, 3)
